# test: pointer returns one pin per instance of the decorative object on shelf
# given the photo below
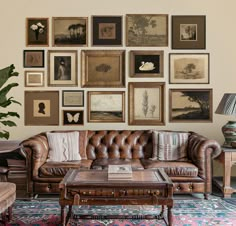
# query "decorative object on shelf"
(106, 106)
(190, 105)
(69, 31)
(34, 78)
(5, 74)
(147, 30)
(62, 68)
(37, 31)
(73, 117)
(103, 68)
(72, 98)
(107, 30)
(145, 64)
(146, 103)
(189, 32)
(33, 58)
(189, 68)
(41, 108)
(227, 106)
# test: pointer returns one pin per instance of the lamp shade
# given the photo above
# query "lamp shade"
(227, 105)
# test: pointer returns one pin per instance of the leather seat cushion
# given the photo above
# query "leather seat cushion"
(7, 195)
(103, 163)
(175, 169)
(52, 169)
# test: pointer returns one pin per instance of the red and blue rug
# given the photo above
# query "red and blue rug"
(194, 212)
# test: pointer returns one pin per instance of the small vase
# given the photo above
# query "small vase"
(229, 132)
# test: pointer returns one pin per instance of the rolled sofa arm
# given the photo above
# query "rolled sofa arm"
(201, 151)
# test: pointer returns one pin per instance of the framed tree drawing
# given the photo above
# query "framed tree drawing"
(146, 103)
(190, 105)
(189, 68)
(146, 64)
(106, 106)
(147, 30)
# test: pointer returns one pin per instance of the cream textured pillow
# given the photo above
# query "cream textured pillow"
(63, 146)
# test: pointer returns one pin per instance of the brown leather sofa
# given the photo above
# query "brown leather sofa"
(98, 149)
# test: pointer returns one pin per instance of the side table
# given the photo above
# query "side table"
(228, 159)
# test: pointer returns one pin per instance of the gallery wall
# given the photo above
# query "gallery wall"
(220, 44)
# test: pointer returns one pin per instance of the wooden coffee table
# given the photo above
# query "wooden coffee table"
(92, 187)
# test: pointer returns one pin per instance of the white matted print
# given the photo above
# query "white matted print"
(34, 78)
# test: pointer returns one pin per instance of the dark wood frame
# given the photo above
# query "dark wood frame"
(71, 92)
(38, 55)
(72, 121)
(31, 73)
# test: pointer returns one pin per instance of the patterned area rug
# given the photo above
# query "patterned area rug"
(194, 212)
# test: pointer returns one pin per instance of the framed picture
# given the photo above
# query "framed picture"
(146, 64)
(37, 31)
(69, 31)
(34, 78)
(33, 58)
(187, 68)
(41, 108)
(190, 105)
(107, 30)
(188, 32)
(146, 103)
(103, 68)
(73, 117)
(147, 30)
(106, 106)
(72, 98)
(62, 68)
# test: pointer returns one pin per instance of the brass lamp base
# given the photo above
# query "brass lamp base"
(229, 132)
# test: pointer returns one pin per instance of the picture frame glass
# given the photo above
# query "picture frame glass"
(33, 58)
(72, 98)
(34, 78)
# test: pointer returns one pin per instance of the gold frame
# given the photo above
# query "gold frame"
(34, 84)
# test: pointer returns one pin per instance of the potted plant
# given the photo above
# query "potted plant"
(5, 74)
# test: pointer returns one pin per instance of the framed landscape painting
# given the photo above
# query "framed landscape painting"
(69, 31)
(147, 30)
(187, 68)
(190, 105)
(107, 30)
(146, 64)
(106, 106)
(189, 32)
(146, 103)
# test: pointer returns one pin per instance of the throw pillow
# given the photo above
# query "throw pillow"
(172, 146)
(63, 146)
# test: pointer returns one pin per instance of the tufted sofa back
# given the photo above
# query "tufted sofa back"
(125, 144)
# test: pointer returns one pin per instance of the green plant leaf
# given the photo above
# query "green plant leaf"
(5, 115)
(4, 134)
(5, 90)
(8, 123)
(6, 73)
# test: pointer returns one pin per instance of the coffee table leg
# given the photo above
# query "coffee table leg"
(169, 215)
(161, 214)
(63, 216)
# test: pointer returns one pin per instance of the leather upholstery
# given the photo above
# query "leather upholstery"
(101, 148)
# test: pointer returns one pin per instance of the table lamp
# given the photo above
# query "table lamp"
(227, 106)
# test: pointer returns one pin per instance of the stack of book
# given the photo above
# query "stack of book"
(119, 172)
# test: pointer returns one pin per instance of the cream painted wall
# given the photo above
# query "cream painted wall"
(220, 43)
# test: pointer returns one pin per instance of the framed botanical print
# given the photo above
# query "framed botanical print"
(37, 31)
(189, 32)
(189, 68)
(72, 98)
(73, 117)
(106, 30)
(190, 105)
(34, 78)
(106, 106)
(147, 30)
(33, 58)
(146, 64)
(103, 68)
(62, 68)
(69, 31)
(41, 108)
(146, 103)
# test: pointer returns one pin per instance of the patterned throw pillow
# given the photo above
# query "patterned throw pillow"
(63, 146)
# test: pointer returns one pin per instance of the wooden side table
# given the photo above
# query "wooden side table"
(228, 159)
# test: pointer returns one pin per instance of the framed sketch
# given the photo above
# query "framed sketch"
(106, 30)
(72, 98)
(188, 32)
(106, 106)
(33, 58)
(146, 64)
(187, 68)
(190, 105)
(69, 31)
(103, 68)
(41, 108)
(73, 117)
(147, 30)
(37, 31)
(146, 103)
(34, 78)
(62, 68)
